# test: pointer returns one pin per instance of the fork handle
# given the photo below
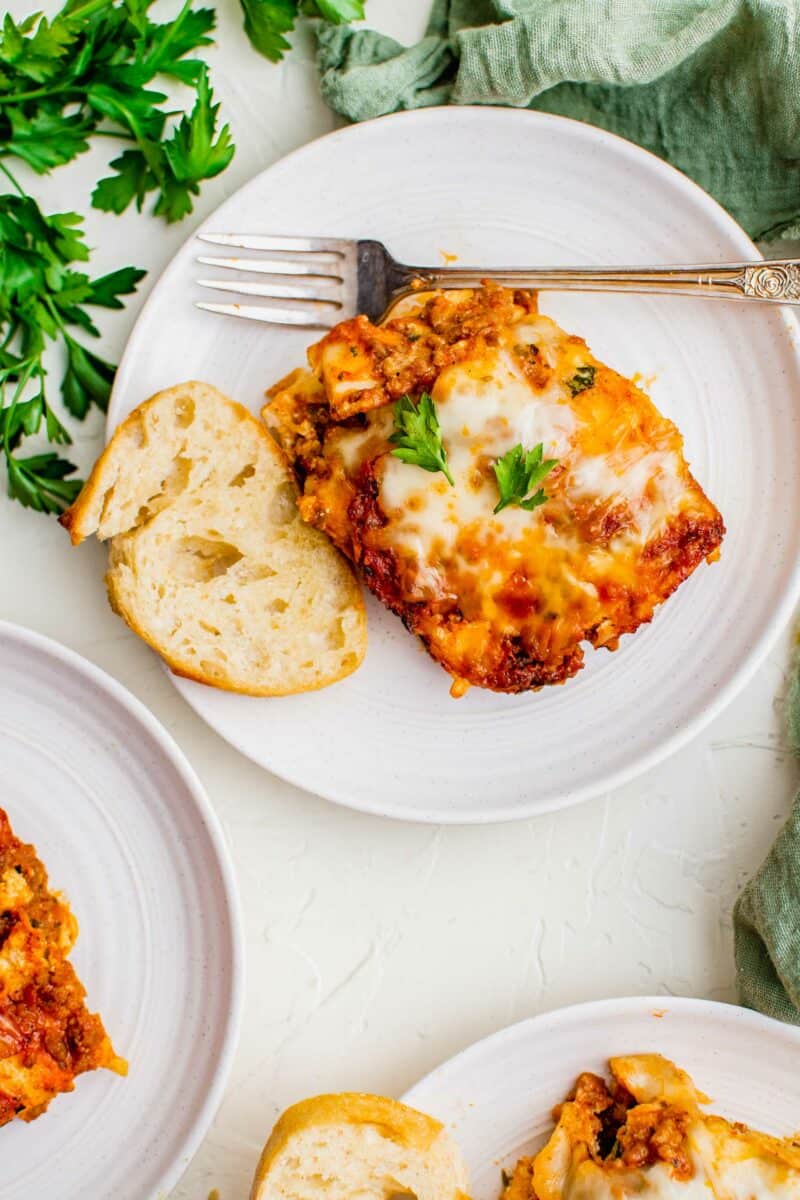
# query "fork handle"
(776, 281)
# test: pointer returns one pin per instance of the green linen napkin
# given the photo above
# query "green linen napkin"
(713, 86)
(766, 918)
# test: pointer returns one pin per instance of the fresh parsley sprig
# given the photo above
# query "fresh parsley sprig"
(90, 71)
(43, 298)
(267, 22)
(518, 473)
(418, 436)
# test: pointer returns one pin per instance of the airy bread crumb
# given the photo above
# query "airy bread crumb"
(209, 559)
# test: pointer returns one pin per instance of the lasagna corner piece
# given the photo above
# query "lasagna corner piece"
(502, 599)
(644, 1136)
(47, 1035)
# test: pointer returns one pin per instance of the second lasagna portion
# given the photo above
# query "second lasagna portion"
(502, 599)
(47, 1035)
(643, 1136)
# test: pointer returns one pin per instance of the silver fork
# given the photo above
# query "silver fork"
(317, 282)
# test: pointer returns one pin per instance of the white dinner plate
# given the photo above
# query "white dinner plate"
(124, 829)
(505, 187)
(497, 1097)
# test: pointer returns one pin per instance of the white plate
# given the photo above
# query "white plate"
(125, 830)
(497, 1096)
(500, 186)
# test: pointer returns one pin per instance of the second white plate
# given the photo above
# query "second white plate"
(125, 829)
(497, 1097)
(504, 187)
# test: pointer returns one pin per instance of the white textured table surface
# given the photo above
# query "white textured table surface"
(375, 949)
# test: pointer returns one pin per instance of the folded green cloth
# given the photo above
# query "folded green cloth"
(766, 918)
(713, 86)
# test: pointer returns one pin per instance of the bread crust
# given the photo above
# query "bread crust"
(185, 670)
(86, 513)
(75, 518)
(397, 1121)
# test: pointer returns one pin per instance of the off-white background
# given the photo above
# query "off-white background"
(375, 949)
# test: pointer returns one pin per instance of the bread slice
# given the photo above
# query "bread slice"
(210, 561)
(337, 1147)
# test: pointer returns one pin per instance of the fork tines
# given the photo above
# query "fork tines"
(316, 302)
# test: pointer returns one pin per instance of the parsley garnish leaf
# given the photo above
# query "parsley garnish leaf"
(582, 380)
(39, 481)
(518, 473)
(106, 290)
(192, 152)
(46, 138)
(338, 12)
(418, 436)
(165, 53)
(87, 380)
(132, 180)
(22, 419)
(267, 22)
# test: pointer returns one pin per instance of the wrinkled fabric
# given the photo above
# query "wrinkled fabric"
(712, 86)
(766, 919)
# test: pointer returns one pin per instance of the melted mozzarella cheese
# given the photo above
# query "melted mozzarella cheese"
(588, 1182)
(651, 482)
(487, 407)
(484, 409)
(728, 1162)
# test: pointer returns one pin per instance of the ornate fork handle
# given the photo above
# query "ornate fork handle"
(776, 281)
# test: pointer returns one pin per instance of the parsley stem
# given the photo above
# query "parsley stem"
(10, 178)
(121, 134)
(78, 11)
(56, 315)
(22, 383)
(34, 94)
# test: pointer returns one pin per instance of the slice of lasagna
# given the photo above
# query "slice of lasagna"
(47, 1036)
(505, 493)
(644, 1136)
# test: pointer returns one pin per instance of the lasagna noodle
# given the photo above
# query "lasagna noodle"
(47, 1035)
(502, 600)
(644, 1136)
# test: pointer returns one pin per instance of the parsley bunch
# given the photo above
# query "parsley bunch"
(88, 72)
(267, 22)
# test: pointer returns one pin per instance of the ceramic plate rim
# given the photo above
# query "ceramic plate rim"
(620, 1006)
(138, 711)
(736, 680)
(582, 1015)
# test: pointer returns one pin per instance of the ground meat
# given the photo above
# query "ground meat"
(656, 1133)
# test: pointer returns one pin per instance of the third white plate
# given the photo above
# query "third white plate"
(498, 1096)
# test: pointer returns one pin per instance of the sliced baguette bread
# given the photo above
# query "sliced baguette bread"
(209, 559)
(351, 1145)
